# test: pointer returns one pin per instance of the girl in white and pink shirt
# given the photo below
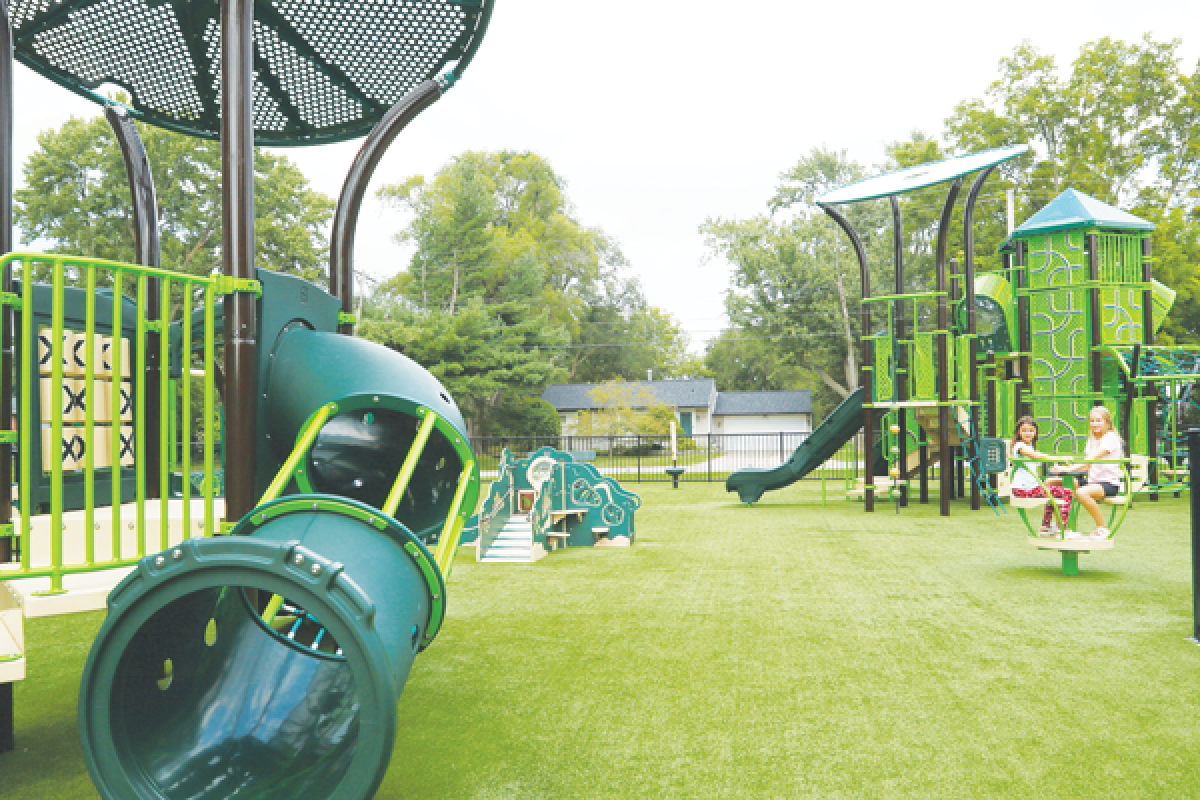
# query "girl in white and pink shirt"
(1103, 480)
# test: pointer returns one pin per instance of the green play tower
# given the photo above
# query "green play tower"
(1081, 270)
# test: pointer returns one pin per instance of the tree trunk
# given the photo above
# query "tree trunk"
(851, 361)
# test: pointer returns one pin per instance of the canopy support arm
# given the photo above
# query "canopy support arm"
(943, 356)
(345, 219)
(149, 254)
(865, 359)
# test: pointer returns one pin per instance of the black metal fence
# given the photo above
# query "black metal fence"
(643, 459)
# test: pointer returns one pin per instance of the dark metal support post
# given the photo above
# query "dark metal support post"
(943, 355)
(7, 328)
(1096, 332)
(924, 473)
(241, 312)
(148, 254)
(900, 351)
(864, 370)
(972, 326)
(1025, 390)
(8, 741)
(7, 721)
(1152, 389)
(345, 219)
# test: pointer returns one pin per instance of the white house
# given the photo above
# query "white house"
(700, 408)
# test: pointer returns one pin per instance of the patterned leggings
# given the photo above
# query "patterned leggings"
(1062, 493)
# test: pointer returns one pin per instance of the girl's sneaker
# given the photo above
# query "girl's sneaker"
(1101, 533)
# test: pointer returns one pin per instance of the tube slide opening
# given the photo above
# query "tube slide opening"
(209, 701)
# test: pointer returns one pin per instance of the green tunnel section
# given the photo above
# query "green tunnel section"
(189, 693)
(361, 448)
(845, 421)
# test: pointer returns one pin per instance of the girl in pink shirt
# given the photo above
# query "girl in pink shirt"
(1103, 480)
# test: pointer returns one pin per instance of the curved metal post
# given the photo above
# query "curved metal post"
(7, 737)
(899, 349)
(969, 295)
(943, 380)
(345, 219)
(864, 371)
(241, 312)
(6, 282)
(147, 247)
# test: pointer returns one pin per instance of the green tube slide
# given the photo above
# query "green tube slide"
(835, 431)
(189, 693)
(268, 663)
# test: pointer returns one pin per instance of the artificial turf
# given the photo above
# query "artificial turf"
(780, 650)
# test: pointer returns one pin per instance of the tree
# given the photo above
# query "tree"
(486, 219)
(746, 361)
(626, 409)
(493, 367)
(1122, 126)
(77, 199)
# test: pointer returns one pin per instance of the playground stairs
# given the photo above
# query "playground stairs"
(514, 543)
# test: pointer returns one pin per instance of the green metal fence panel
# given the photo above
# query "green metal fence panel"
(82, 412)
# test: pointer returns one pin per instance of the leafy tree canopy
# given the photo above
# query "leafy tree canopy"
(1123, 125)
(497, 230)
(77, 199)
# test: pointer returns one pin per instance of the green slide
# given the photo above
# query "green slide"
(843, 423)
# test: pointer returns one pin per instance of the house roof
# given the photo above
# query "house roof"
(731, 404)
(697, 393)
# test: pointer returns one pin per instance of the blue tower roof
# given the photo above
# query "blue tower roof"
(1074, 209)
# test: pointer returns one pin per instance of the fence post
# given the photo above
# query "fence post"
(639, 457)
(709, 459)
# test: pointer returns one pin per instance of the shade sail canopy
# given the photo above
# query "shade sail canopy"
(921, 176)
(325, 70)
(1074, 209)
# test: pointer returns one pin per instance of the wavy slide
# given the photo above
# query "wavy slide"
(835, 431)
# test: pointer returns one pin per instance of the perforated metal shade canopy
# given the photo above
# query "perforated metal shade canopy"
(325, 70)
(920, 177)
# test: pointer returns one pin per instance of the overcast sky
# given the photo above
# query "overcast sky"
(660, 115)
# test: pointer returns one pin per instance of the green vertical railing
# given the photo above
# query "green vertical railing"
(89, 275)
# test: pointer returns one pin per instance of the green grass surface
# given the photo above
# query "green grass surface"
(782, 650)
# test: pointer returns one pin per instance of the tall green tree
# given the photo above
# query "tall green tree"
(497, 229)
(77, 200)
(1122, 124)
(494, 364)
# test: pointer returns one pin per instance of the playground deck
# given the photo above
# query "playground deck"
(88, 591)
(783, 650)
